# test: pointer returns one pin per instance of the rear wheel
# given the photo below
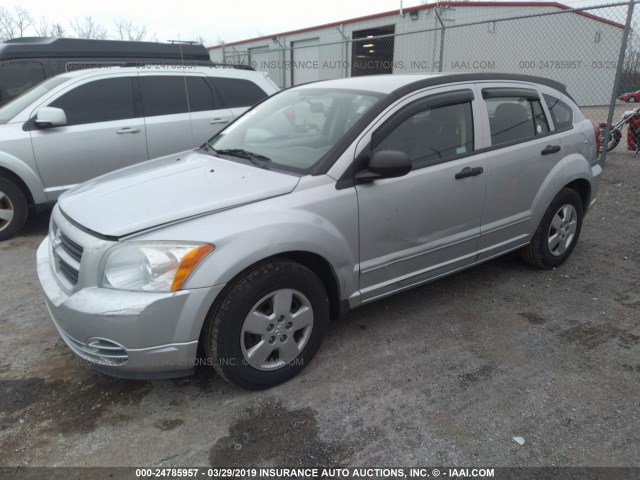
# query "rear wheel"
(632, 100)
(557, 233)
(268, 324)
(13, 209)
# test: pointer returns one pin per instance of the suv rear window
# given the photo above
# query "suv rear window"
(561, 113)
(236, 92)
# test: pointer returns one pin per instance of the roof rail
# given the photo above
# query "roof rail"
(187, 63)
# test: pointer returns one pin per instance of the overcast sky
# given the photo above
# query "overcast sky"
(216, 20)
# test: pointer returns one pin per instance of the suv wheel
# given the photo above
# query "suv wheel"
(13, 209)
(557, 233)
(267, 325)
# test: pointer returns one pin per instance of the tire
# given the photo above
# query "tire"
(267, 325)
(558, 232)
(614, 138)
(631, 100)
(13, 209)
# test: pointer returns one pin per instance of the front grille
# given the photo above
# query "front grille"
(67, 256)
(71, 247)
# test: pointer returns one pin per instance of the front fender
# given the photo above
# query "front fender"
(324, 223)
(26, 173)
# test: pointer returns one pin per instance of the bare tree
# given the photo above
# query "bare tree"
(46, 29)
(88, 28)
(127, 30)
(14, 24)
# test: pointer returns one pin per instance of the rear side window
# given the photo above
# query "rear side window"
(433, 135)
(515, 119)
(99, 101)
(561, 113)
(236, 92)
(164, 95)
(201, 96)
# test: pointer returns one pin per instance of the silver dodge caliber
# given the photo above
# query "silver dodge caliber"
(319, 199)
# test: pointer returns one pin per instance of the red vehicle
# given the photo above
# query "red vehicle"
(630, 97)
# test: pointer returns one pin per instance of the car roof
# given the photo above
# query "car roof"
(401, 84)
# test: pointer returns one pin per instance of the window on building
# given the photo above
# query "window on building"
(371, 54)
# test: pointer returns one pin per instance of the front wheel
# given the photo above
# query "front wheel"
(13, 209)
(631, 100)
(557, 233)
(268, 324)
(614, 137)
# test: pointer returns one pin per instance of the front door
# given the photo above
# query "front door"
(427, 223)
(104, 132)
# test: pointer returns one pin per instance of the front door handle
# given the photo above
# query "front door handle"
(469, 172)
(127, 130)
(549, 149)
(219, 120)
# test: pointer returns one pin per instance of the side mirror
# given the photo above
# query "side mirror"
(48, 117)
(385, 164)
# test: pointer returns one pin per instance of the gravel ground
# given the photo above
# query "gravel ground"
(444, 374)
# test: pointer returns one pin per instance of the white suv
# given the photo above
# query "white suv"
(82, 124)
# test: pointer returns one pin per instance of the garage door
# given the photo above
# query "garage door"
(305, 65)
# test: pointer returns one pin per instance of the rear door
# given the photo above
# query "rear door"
(521, 153)
(207, 112)
(104, 131)
(166, 112)
(427, 223)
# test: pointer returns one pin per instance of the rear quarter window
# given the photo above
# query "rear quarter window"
(237, 92)
(561, 113)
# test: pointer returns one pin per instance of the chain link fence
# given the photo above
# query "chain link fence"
(595, 51)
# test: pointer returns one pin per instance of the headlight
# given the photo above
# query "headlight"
(152, 266)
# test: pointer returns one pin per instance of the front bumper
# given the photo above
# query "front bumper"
(139, 335)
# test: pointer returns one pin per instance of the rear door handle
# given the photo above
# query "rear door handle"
(219, 120)
(469, 172)
(127, 130)
(549, 149)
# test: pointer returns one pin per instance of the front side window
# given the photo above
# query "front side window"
(295, 129)
(515, 119)
(98, 101)
(433, 135)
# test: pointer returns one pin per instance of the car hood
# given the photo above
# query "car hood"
(169, 189)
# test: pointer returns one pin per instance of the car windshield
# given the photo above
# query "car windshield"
(294, 129)
(15, 106)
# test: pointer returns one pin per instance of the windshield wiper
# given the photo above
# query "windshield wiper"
(255, 158)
